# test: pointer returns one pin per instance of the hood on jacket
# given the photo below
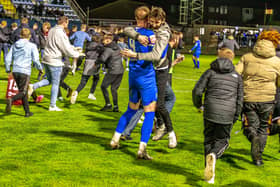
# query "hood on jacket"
(264, 48)
(222, 65)
(21, 43)
(113, 45)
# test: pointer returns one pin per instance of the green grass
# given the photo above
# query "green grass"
(70, 148)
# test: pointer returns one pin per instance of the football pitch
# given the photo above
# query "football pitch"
(71, 148)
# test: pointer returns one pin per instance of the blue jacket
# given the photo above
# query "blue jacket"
(22, 53)
(79, 38)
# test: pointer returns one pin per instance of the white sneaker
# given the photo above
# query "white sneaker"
(54, 108)
(209, 172)
(30, 90)
(91, 96)
(60, 98)
(172, 140)
(127, 69)
(74, 97)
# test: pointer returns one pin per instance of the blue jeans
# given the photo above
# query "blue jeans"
(5, 47)
(53, 77)
(169, 103)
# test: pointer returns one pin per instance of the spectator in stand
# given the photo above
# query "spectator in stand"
(57, 46)
(24, 24)
(5, 33)
(79, 38)
(22, 54)
(43, 35)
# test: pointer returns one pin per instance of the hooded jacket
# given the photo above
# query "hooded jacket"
(112, 58)
(223, 92)
(22, 53)
(229, 43)
(260, 71)
(158, 54)
(57, 46)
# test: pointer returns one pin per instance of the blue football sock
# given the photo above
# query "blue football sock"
(147, 126)
(124, 120)
(197, 64)
(194, 62)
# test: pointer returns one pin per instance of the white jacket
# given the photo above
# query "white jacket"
(58, 45)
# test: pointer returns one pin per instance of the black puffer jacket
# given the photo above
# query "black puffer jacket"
(224, 92)
(112, 58)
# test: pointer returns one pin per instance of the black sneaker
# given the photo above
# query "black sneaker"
(29, 114)
(9, 105)
(258, 162)
(116, 109)
(106, 108)
(125, 137)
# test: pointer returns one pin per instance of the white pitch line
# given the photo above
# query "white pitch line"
(181, 78)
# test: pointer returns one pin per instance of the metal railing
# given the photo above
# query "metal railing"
(78, 10)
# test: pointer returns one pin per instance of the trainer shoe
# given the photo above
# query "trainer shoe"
(114, 144)
(116, 109)
(9, 105)
(209, 172)
(55, 108)
(60, 98)
(69, 92)
(142, 154)
(30, 90)
(28, 114)
(91, 96)
(74, 97)
(172, 140)
(39, 98)
(161, 131)
(107, 107)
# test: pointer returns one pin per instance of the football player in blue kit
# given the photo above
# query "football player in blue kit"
(196, 51)
(142, 85)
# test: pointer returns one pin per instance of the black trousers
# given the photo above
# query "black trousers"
(80, 61)
(161, 111)
(84, 81)
(216, 137)
(63, 76)
(22, 81)
(115, 82)
(257, 117)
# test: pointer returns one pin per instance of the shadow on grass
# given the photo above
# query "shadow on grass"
(192, 179)
(244, 183)
(247, 152)
(232, 160)
(192, 146)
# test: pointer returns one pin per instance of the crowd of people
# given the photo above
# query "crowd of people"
(151, 52)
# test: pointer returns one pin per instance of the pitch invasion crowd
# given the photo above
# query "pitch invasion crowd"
(151, 50)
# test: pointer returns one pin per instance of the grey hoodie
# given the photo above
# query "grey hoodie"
(230, 44)
(22, 53)
(163, 35)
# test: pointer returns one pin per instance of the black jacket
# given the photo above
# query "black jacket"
(16, 34)
(224, 92)
(42, 39)
(93, 50)
(5, 34)
(112, 58)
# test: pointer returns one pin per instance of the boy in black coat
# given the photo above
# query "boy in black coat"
(112, 59)
(222, 106)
